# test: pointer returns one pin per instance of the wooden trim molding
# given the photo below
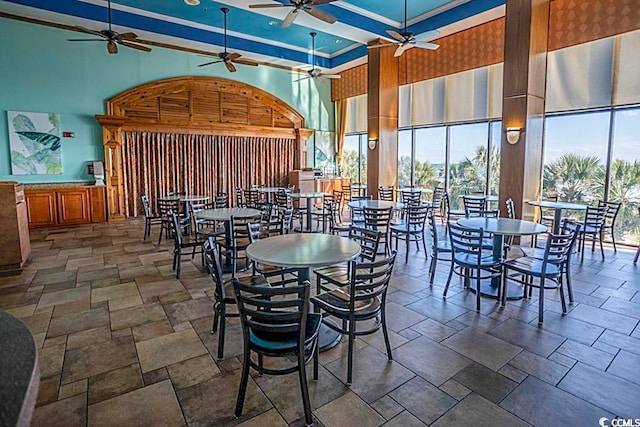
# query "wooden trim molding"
(192, 105)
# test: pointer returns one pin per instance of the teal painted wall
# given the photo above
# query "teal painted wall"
(41, 71)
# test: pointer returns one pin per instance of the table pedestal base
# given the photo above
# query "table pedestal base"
(327, 337)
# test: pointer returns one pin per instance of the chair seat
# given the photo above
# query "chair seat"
(336, 274)
(443, 246)
(533, 267)
(336, 302)
(272, 342)
(471, 260)
(405, 228)
(590, 229)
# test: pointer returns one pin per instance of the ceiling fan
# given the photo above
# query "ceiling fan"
(406, 39)
(226, 57)
(112, 38)
(298, 5)
(316, 72)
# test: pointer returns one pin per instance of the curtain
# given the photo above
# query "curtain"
(341, 125)
(156, 163)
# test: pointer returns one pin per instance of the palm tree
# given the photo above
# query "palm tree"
(575, 178)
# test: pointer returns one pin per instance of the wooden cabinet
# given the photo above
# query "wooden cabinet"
(65, 206)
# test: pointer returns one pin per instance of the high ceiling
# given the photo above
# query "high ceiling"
(257, 33)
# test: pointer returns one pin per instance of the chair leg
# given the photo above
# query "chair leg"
(383, 320)
(223, 327)
(446, 288)
(244, 379)
(613, 239)
(478, 293)
(541, 301)
(406, 255)
(567, 273)
(635, 259)
(601, 247)
(352, 337)
(216, 317)
(179, 263)
(432, 267)
(562, 300)
(503, 301)
(304, 387)
(147, 230)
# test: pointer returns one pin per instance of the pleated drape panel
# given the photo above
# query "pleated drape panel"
(156, 163)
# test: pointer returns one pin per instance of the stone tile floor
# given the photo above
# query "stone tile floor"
(122, 342)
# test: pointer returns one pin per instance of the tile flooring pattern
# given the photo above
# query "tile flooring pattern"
(122, 342)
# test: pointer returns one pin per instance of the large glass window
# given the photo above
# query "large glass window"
(354, 157)
(624, 184)
(468, 148)
(575, 156)
(430, 157)
(405, 156)
(494, 157)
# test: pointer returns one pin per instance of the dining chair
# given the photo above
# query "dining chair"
(223, 295)
(451, 214)
(221, 200)
(276, 323)
(436, 203)
(385, 192)
(548, 269)
(252, 198)
(322, 212)
(149, 218)
(257, 231)
(379, 220)
(238, 243)
(474, 206)
(363, 298)
(336, 224)
(239, 200)
(594, 219)
(471, 258)
(204, 227)
(438, 246)
(545, 216)
(610, 220)
(411, 229)
(181, 242)
(327, 278)
(635, 259)
(411, 198)
(164, 206)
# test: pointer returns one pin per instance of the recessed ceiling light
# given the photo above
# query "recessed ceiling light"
(192, 2)
(272, 23)
(338, 41)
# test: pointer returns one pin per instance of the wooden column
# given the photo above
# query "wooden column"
(113, 170)
(524, 85)
(382, 114)
(302, 146)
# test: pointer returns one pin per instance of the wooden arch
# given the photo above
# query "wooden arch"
(193, 105)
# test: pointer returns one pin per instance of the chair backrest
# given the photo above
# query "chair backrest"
(558, 247)
(436, 199)
(146, 206)
(346, 191)
(212, 261)
(467, 241)
(175, 228)
(239, 229)
(285, 220)
(273, 310)
(595, 217)
(369, 282)
(571, 225)
(164, 206)
(377, 219)
(256, 231)
(474, 192)
(239, 201)
(416, 216)
(221, 200)
(369, 241)
(411, 198)
(266, 210)
(433, 228)
(473, 206)
(511, 210)
(251, 198)
(283, 199)
(385, 192)
(339, 196)
(612, 211)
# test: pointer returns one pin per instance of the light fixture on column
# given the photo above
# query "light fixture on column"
(192, 2)
(373, 143)
(513, 135)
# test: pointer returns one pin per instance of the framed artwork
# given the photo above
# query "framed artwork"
(325, 151)
(34, 140)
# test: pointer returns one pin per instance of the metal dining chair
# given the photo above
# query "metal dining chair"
(438, 246)
(179, 243)
(149, 218)
(385, 192)
(474, 206)
(610, 220)
(411, 229)
(594, 219)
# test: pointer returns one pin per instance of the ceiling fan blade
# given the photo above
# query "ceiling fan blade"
(233, 56)
(314, 2)
(246, 62)
(375, 46)
(400, 50)
(288, 20)
(112, 47)
(331, 76)
(266, 5)
(427, 35)
(230, 66)
(323, 16)
(426, 45)
(88, 31)
(396, 35)
(302, 78)
(85, 40)
(209, 63)
(127, 36)
(134, 46)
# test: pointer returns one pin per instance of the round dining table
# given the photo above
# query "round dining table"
(303, 252)
(308, 196)
(375, 204)
(558, 207)
(500, 227)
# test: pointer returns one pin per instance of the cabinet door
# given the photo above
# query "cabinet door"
(41, 208)
(98, 205)
(73, 207)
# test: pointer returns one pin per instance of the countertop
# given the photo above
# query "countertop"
(56, 185)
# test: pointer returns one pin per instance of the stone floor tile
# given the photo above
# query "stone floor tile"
(437, 309)
(625, 308)
(72, 307)
(169, 349)
(574, 329)
(152, 330)
(155, 376)
(454, 389)
(48, 390)
(476, 411)
(80, 321)
(38, 323)
(483, 348)
(374, 375)
(423, 400)
(434, 330)
(124, 302)
(67, 412)
(399, 317)
(562, 359)
(113, 383)
(602, 389)
(64, 296)
(189, 310)
(478, 321)
(95, 359)
(541, 404)
(201, 408)
(348, 410)
(387, 407)
(625, 365)
(88, 337)
(192, 371)
(50, 360)
(485, 382)
(162, 287)
(376, 339)
(138, 315)
(617, 340)
(152, 405)
(181, 296)
(404, 419)
(527, 336)
(604, 318)
(72, 389)
(270, 418)
(541, 368)
(414, 355)
(586, 354)
(114, 292)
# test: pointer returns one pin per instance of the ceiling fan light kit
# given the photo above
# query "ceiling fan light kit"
(316, 72)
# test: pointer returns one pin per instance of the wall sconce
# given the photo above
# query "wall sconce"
(513, 135)
(192, 2)
(373, 143)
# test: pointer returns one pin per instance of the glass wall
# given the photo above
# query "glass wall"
(354, 158)
(430, 157)
(468, 148)
(405, 158)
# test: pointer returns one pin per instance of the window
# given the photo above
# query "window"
(354, 157)
(405, 158)
(430, 149)
(468, 146)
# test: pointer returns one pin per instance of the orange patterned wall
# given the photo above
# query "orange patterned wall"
(571, 22)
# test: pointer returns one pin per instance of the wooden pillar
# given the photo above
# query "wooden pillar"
(382, 115)
(524, 85)
(302, 147)
(113, 169)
